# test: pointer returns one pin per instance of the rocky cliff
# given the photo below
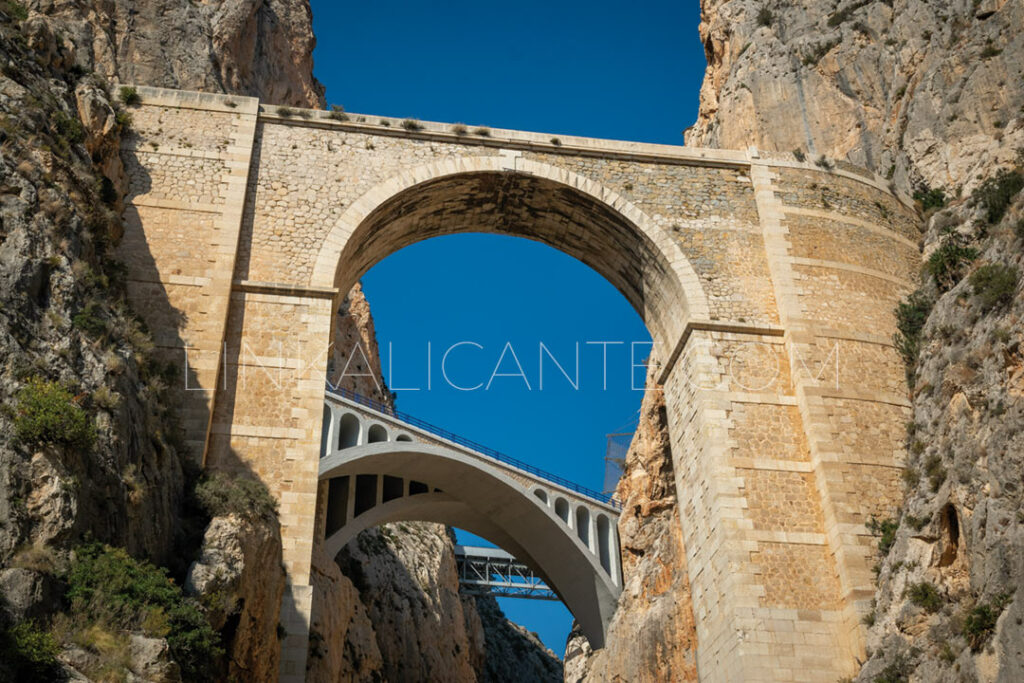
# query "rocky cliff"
(927, 91)
(652, 636)
(262, 48)
(88, 444)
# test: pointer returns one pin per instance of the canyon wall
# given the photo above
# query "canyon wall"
(68, 329)
(262, 48)
(926, 91)
(652, 636)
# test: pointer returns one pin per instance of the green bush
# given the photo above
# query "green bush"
(130, 96)
(925, 595)
(221, 494)
(896, 671)
(844, 14)
(765, 17)
(931, 198)
(885, 529)
(28, 653)
(48, 414)
(107, 586)
(89, 320)
(994, 284)
(996, 193)
(338, 113)
(68, 128)
(948, 262)
(936, 472)
(15, 9)
(412, 124)
(911, 315)
(980, 622)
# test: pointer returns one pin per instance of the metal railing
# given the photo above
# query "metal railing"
(473, 445)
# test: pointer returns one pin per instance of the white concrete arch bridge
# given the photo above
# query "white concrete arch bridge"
(384, 466)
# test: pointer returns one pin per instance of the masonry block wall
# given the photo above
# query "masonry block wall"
(768, 287)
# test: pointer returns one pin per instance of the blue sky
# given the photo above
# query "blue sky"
(595, 69)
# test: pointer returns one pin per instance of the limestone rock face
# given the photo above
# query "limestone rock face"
(652, 635)
(239, 574)
(405, 575)
(510, 651)
(949, 604)
(343, 640)
(65, 321)
(262, 48)
(929, 91)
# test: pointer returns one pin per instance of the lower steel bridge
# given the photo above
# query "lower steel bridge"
(560, 540)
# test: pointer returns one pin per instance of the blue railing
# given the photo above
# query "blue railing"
(473, 445)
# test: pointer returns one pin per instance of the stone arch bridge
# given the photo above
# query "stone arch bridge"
(768, 287)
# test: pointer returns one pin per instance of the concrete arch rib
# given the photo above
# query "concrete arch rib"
(484, 501)
(660, 283)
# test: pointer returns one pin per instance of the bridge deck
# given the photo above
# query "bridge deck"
(395, 416)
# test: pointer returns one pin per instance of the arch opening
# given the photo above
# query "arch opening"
(604, 542)
(466, 493)
(348, 431)
(583, 524)
(376, 434)
(540, 203)
(562, 509)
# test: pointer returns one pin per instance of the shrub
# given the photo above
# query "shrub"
(824, 163)
(285, 112)
(459, 129)
(885, 529)
(556, 142)
(483, 132)
(995, 194)
(15, 9)
(840, 16)
(980, 621)
(931, 198)
(798, 154)
(936, 472)
(990, 51)
(911, 315)
(338, 113)
(925, 595)
(765, 17)
(68, 128)
(109, 588)
(89, 321)
(412, 124)
(48, 414)
(123, 120)
(898, 670)
(221, 494)
(29, 653)
(948, 262)
(130, 96)
(819, 51)
(994, 284)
